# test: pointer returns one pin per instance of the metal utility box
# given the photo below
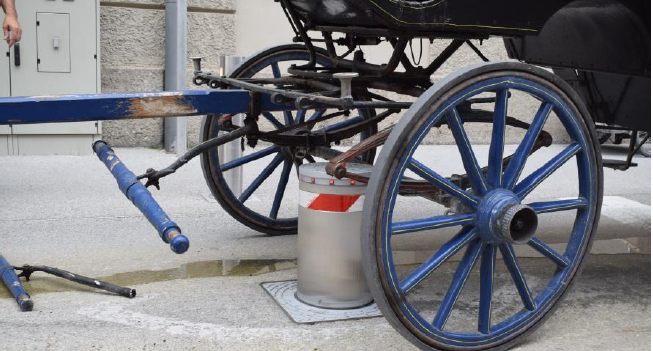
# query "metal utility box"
(5, 131)
(58, 54)
(53, 42)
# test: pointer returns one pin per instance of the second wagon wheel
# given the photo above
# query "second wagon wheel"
(492, 263)
(261, 206)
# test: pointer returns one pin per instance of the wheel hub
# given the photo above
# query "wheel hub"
(502, 218)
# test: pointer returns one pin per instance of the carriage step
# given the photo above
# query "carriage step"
(618, 164)
(141, 198)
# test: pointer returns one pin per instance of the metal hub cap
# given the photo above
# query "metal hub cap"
(502, 218)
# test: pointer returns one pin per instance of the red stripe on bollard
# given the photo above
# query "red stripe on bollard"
(333, 203)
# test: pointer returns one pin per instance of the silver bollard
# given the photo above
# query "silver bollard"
(330, 270)
(232, 150)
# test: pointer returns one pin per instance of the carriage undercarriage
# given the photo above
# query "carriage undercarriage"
(300, 102)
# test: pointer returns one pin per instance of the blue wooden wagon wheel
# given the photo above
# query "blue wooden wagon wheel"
(495, 219)
(270, 62)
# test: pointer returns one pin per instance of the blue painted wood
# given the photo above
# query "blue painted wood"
(249, 158)
(488, 260)
(270, 117)
(136, 192)
(489, 333)
(300, 117)
(510, 259)
(516, 164)
(495, 156)
(459, 279)
(476, 177)
(436, 222)
(261, 178)
(558, 205)
(445, 252)
(281, 188)
(346, 123)
(93, 107)
(12, 282)
(317, 114)
(443, 183)
(548, 252)
(529, 183)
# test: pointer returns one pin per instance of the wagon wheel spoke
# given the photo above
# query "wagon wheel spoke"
(443, 183)
(249, 158)
(510, 259)
(474, 172)
(459, 279)
(495, 158)
(445, 251)
(558, 205)
(270, 117)
(518, 160)
(261, 178)
(276, 72)
(343, 124)
(281, 188)
(436, 222)
(288, 118)
(548, 252)
(488, 260)
(300, 117)
(317, 114)
(532, 181)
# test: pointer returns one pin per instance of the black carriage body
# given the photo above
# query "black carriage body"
(499, 17)
(600, 47)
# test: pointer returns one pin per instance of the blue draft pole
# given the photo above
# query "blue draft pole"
(136, 192)
(12, 282)
(94, 107)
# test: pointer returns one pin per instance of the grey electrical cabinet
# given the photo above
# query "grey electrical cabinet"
(5, 131)
(58, 54)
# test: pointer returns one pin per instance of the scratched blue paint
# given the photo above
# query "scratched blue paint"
(141, 198)
(12, 282)
(93, 107)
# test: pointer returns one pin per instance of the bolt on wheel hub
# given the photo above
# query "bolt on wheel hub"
(502, 218)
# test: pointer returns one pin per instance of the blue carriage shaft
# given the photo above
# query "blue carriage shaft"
(94, 107)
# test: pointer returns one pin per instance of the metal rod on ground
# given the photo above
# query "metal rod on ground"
(232, 150)
(27, 271)
(175, 128)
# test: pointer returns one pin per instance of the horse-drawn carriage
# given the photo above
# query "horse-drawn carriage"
(301, 101)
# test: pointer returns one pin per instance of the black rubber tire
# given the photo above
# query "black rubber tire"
(214, 178)
(390, 156)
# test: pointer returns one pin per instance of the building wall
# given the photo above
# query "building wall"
(133, 56)
(132, 39)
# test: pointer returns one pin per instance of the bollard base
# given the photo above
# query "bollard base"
(284, 293)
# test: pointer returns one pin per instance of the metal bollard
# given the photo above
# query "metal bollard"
(232, 150)
(330, 270)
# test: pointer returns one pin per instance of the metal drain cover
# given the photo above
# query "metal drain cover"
(284, 294)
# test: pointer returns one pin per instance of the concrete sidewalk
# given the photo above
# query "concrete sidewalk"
(67, 212)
